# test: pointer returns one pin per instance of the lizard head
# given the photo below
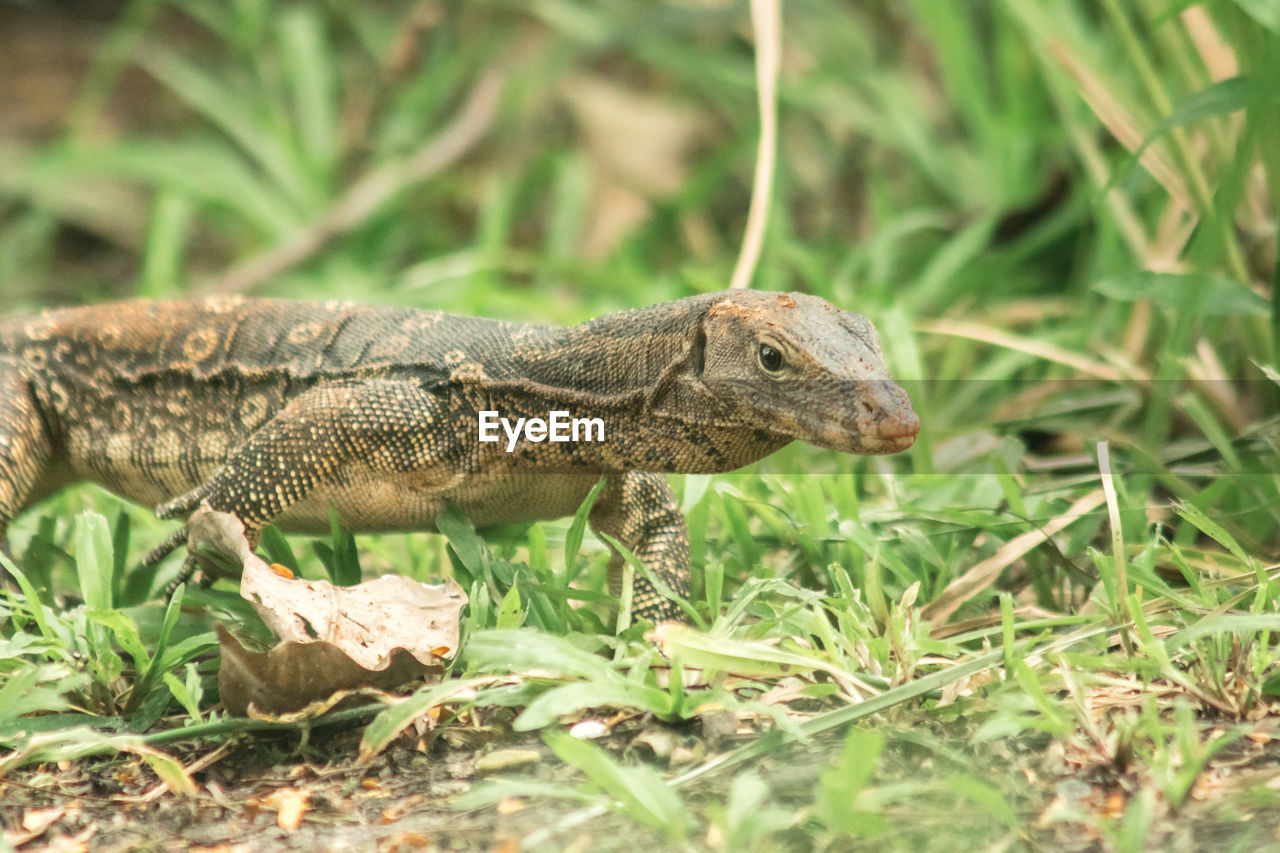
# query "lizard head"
(796, 366)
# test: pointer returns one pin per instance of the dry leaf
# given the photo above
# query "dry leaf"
(404, 841)
(400, 808)
(1113, 805)
(334, 640)
(298, 680)
(367, 621)
(510, 805)
(290, 804)
(34, 824)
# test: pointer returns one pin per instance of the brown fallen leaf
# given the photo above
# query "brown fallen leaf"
(367, 621)
(290, 804)
(1113, 805)
(510, 805)
(78, 843)
(34, 824)
(38, 820)
(404, 841)
(400, 808)
(333, 640)
(298, 680)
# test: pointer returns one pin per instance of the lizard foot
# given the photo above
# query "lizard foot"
(165, 548)
(184, 574)
(183, 504)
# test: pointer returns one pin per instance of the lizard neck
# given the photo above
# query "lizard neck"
(638, 371)
(614, 355)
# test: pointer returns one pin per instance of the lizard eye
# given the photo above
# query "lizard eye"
(770, 358)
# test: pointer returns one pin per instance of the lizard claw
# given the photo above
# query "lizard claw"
(165, 548)
(184, 574)
(183, 504)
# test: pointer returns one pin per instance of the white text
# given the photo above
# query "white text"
(557, 426)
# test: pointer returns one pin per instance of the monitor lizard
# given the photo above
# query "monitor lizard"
(278, 410)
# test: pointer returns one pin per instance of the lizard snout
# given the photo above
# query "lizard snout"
(886, 422)
(900, 424)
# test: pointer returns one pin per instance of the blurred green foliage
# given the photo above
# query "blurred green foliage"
(1061, 217)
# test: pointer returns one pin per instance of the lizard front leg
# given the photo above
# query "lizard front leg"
(639, 509)
(330, 433)
(25, 447)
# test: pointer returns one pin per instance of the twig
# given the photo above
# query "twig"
(1119, 569)
(200, 764)
(985, 573)
(397, 63)
(766, 22)
(1039, 349)
(373, 190)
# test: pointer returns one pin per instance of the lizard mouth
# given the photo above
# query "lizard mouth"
(881, 421)
(901, 434)
(894, 428)
(872, 416)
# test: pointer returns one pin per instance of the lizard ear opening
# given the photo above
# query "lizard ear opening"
(697, 351)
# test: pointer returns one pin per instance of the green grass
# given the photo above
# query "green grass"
(1052, 622)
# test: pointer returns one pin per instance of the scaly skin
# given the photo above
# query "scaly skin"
(276, 411)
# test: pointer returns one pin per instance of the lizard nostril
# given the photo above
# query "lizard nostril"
(902, 425)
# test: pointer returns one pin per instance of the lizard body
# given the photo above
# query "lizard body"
(276, 410)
